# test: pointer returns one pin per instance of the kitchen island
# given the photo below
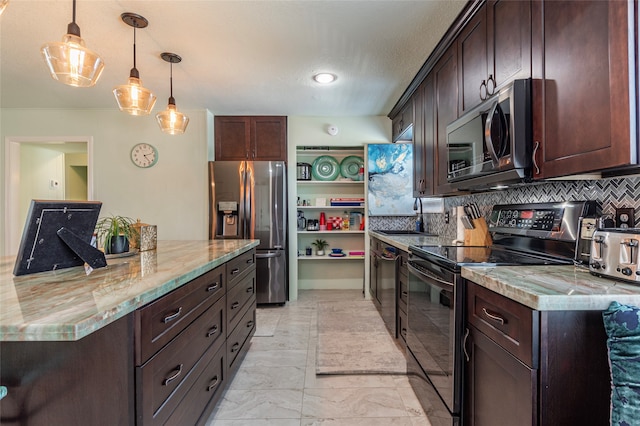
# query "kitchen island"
(73, 345)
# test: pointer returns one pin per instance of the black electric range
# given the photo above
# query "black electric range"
(524, 234)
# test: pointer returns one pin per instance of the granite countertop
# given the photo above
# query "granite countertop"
(554, 288)
(68, 304)
(404, 241)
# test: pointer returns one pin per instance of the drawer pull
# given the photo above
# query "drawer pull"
(213, 286)
(235, 347)
(173, 316)
(213, 330)
(249, 324)
(173, 377)
(235, 305)
(405, 294)
(250, 289)
(250, 261)
(213, 384)
(493, 316)
(235, 271)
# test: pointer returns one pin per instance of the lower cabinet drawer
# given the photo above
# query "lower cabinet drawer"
(199, 401)
(159, 322)
(238, 297)
(237, 340)
(165, 378)
(510, 324)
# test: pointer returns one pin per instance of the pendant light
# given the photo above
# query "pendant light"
(69, 61)
(132, 98)
(3, 5)
(170, 120)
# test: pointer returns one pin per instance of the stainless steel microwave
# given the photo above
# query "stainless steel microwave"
(490, 145)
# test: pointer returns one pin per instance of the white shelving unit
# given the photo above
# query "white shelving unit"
(327, 272)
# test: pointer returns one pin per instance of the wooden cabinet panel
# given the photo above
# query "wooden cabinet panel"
(238, 266)
(238, 297)
(260, 138)
(236, 346)
(499, 389)
(423, 139)
(446, 96)
(472, 61)
(402, 122)
(269, 138)
(581, 87)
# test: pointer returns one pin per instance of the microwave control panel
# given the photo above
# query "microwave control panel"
(533, 219)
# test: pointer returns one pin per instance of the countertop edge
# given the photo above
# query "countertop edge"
(83, 328)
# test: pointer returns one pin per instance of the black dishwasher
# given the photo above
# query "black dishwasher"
(383, 283)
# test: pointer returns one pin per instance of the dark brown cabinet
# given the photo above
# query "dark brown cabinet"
(581, 86)
(445, 83)
(260, 138)
(494, 48)
(423, 138)
(402, 124)
(529, 367)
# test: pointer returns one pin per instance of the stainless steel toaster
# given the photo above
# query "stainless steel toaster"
(614, 253)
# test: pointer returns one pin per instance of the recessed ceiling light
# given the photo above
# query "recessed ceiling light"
(325, 78)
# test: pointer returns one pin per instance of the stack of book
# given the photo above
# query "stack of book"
(359, 202)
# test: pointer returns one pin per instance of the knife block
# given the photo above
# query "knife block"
(478, 236)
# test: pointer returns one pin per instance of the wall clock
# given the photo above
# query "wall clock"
(144, 155)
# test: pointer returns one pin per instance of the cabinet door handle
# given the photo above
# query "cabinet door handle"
(174, 376)
(213, 384)
(483, 96)
(235, 271)
(173, 316)
(491, 80)
(464, 344)
(235, 347)
(213, 286)
(213, 330)
(536, 145)
(493, 316)
(235, 305)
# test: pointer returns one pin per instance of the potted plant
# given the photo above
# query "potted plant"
(320, 245)
(114, 233)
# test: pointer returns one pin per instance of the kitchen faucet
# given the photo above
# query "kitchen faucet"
(420, 221)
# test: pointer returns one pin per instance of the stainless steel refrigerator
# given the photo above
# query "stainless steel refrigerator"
(248, 200)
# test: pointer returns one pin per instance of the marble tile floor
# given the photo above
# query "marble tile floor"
(277, 385)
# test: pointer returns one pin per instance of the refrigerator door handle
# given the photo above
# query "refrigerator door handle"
(268, 255)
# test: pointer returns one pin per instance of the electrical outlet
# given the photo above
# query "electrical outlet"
(446, 217)
(625, 217)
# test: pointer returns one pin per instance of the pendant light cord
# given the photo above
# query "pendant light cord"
(134, 71)
(73, 19)
(73, 28)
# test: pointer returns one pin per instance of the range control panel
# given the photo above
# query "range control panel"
(541, 220)
(554, 221)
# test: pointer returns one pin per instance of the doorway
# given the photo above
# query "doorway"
(50, 168)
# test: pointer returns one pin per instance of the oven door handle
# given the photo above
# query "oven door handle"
(436, 280)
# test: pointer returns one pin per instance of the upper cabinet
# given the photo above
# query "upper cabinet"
(260, 138)
(445, 84)
(494, 48)
(402, 124)
(423, 138)
(582, 90)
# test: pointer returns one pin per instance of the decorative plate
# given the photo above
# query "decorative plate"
(337, 254)
(350, 166)
(325, 167)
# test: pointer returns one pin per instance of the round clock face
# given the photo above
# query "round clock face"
(144, 155)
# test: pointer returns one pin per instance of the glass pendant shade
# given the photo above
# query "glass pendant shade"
(134, 99)
(69, 61)
(3, 5)
(171, 121)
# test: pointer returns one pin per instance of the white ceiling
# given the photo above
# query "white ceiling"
(238, 57)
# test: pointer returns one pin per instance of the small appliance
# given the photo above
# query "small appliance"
(303, 171)
(614, 253)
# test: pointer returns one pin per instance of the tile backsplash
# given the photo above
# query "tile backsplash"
(611, 193)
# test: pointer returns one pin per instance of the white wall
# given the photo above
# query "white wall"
(172, 194)
(312, 131)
